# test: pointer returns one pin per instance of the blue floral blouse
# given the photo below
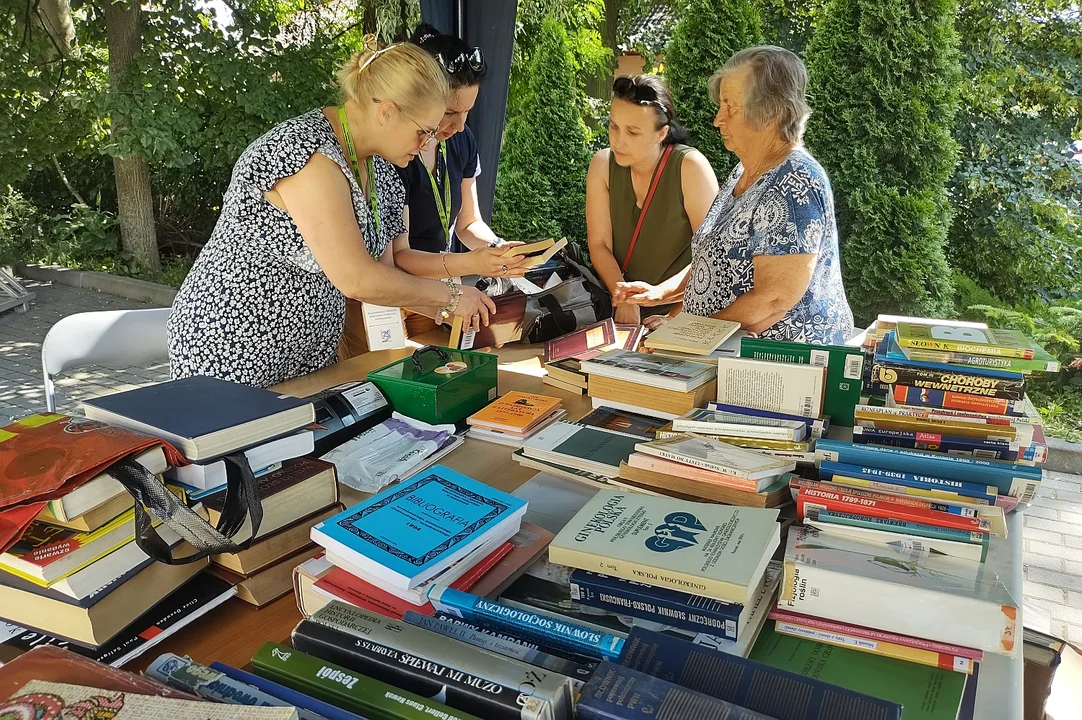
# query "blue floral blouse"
(788, 211)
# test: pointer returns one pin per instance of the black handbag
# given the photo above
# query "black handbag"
(241, 503)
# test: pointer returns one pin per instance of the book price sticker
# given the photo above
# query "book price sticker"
(854, 367)
(820, 358)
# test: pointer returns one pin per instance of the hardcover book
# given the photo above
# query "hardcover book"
(346, 688)
(673, 469)
(899, 481)
(515, 412)
(774, 495)
(811, 500)
(925, 693)
(716, 456)
(1004, 343)
(1042, 362)
(929, 419)
(504, 326)
(40, 699)
(779, 693)
(411, 531)
(710, 550)
(530, 248)
(619, 693)
(203, 416)
(582, 342)
(691, 334)
(213, 474)
(648, 399)
(778, 387)
(926, 397)
(631, 423)
(653, 370)
(100, 491)
(844, 370)
(308, 708)
(950, 380)
(950, 444)
(963, 603)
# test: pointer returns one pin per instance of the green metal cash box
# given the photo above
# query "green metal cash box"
(439, 385)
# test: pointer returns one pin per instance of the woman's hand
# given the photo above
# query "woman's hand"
(655, 321)
(488, 262)
(627, 315)
(638, 293)
(474, 308)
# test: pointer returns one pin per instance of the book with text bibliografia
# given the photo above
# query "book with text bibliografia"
(411, 531)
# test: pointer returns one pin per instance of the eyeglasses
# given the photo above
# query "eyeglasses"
(626, 89)
(457, 63)
(429, 135)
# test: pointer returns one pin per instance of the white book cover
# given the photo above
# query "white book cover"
(211, 475)
(692, 334)
(940, 598)
(912, 543)
(718, 422)
(587, 448)
(788, 388)
(717, 456)
(650, 369)
(717, 551)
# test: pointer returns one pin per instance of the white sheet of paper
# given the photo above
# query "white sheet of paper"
(384, 327)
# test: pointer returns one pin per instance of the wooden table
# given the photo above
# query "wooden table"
(233, 632)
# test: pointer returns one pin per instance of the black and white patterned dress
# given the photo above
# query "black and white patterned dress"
(256, 307)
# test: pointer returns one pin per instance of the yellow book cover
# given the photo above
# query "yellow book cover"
(945, 337)
(529, 248)
(515, 412)
(691, 334)
(959, 427)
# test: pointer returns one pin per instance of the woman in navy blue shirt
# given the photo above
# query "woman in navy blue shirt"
(441, 183)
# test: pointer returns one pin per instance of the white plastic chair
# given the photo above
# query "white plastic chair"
(114, 338)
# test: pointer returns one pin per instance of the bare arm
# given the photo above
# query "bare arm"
(779, 283)
(470, 228)
(318, 200)
(598, 222)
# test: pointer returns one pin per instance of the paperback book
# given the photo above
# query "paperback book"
(716, 422)
(716, 456)
(654, 370)
(817, 427)
(587, 448)
(1001, 343)
(691, 334)
(793, 389)
(308, 708)
(926, 397)
(630, 423)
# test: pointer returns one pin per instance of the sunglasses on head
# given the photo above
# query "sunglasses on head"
(456, 63)
(626, 89)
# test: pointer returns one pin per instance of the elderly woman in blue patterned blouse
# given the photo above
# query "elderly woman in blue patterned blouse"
(766, 255)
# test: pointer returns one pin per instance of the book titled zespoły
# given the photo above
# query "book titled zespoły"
(711, 550)
(410, 532)
(691, 334)
(791, 388)
(716, 456)
(515, 412)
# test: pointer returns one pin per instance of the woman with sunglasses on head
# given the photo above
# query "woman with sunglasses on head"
(308, 220)
(646, 193)
(441, 182)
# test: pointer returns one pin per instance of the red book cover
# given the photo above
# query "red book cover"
(909, 395)
(590, 338)
(1004, 501)
(849, 503)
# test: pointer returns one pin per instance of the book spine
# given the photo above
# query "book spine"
(308, 708)
(990, 449)
(954, 346)
(872, 634)
(877, 647)
(817, 427)
(427, 678)
(326, 681)
(950, 381)
(527, 625)
(191, 677)
(921, 397)
(1021, 481)
(844, 502)
(906, 527)
(982, 361)
(799, 483)
(743, 442)
(765, 432)
(551, 649)
(620, 693)
(756, 686)
(502, 645)
(900, 489)
(681, 610)
(984, 494)
(697, 462)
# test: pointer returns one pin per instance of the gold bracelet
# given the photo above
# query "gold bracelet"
(447, 270)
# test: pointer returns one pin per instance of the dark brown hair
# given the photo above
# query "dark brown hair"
(651, 90)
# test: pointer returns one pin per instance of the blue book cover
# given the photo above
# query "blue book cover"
(525, 624)
(985, 493)
(888, 352)
(952, 444)
(777, 693)
(620, 693)
(1020, 481)
(307, 706)
(185, 674)
(663, 605)
(413, 530)
(817, 427)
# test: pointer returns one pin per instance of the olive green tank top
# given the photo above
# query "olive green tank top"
(664, 246)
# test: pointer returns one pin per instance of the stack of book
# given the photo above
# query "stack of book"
(578, 451)
(691, 337)
(650, 384)
(515, 418)
(563, 354)
(705, 468)
(434, 529)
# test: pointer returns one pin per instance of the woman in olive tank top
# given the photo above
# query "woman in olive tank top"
(645, 151)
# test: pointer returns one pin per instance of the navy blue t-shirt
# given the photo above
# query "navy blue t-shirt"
(425, 228)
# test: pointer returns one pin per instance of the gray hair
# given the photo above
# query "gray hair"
(775, 90)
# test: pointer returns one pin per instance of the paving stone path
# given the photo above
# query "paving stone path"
(1053, 524)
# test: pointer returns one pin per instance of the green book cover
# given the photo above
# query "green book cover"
(347, 689)
(925, 693)
(845, 370)
(998, 342)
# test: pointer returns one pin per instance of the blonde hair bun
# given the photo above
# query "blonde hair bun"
(402, 73)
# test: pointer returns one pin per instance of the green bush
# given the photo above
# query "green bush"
(884, 87)
(541, 186)
(707, 35)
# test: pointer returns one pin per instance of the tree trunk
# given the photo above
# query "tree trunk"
(135, 209)
(600, 86)
(55, 18)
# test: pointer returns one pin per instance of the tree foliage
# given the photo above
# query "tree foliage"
(1017, 191)
(707, 35)
(884, 87)
(541, 186)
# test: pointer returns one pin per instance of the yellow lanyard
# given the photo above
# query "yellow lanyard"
(443, 203)
(371, 184)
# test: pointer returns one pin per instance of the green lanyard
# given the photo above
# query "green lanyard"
(443, 203)
(357, 170)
